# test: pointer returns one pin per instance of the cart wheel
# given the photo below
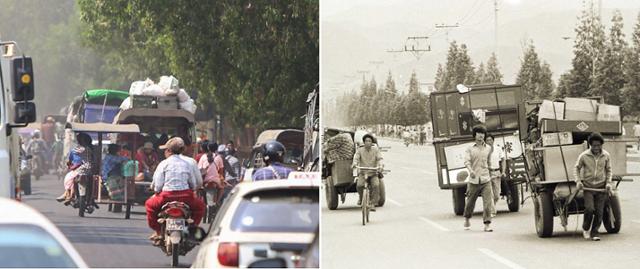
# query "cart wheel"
(82, 205)
(612, 217)
(514, 199)
(331, 194)
(458, 200)
(382, 195)
(543, 214)
(127, 213)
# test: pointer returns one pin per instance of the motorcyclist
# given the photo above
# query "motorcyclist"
(37, 149)
(273, 155)
(175, 179)
(368, 156)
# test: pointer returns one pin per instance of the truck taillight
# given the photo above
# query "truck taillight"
(228, 254)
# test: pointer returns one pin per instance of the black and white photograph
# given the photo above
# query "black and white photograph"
(480, 134)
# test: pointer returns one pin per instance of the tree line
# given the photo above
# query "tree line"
(603, 65)
(253, 62)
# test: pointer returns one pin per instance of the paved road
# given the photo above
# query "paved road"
(104, 239)
(417, 228)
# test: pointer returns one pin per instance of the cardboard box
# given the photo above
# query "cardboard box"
(143, 101)
(580, 109)
(547, 111)
(608, 113)
(557, 139)
(604, 127)
(554, 167)
(168, 102)
(618, 151)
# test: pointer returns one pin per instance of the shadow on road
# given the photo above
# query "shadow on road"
(104, 235)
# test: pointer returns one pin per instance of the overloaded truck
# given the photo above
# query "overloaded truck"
(16, 111)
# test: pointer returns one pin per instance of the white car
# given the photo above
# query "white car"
(271, 219)
(29, 239)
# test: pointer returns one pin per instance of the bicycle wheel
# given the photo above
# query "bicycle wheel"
(365, 205)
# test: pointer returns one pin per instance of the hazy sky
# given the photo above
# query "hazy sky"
(356, 34)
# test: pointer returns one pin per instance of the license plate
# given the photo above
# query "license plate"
(176, 225)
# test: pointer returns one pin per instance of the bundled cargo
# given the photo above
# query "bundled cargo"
(339, 147)
(167, 94)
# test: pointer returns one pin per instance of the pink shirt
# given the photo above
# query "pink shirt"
(211, 171)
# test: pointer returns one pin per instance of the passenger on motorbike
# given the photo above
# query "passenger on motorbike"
(368, 156)
(273, 156)
(175, 179)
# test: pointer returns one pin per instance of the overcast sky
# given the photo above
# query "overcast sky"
(356, 34)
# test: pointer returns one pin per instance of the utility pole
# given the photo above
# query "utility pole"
(495, 8)
(447, 27)
(417, 52)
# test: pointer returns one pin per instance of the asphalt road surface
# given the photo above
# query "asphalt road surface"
(417, 228)
(104, 239)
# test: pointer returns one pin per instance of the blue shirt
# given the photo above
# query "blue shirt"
(110, 162)
(267, 173)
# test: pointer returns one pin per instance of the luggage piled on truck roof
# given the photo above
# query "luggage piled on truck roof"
(166, 94)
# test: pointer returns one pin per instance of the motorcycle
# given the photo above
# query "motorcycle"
(37, 166)
(178, 235)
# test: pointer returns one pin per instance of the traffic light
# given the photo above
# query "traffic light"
(22, 79)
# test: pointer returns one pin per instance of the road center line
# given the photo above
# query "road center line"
(434, 224)
(500, 259)
(394, 202)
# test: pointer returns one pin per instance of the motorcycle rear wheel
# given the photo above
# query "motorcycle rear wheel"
(175, 254)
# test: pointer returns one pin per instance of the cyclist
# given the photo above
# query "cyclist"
(368, 156)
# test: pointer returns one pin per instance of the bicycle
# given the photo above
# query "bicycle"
(209, 210)
(366, 205)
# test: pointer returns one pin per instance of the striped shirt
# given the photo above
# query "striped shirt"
(177, 173)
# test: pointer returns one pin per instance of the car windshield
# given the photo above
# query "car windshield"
(23, 245)
(289, 210)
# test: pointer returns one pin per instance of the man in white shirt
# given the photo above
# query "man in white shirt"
(497, 168)
(636, 133)
(175, 179)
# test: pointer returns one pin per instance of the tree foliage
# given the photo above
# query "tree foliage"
(252, 61)
(384, 105)
(534, 77)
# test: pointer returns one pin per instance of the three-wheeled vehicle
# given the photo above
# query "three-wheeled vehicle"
(454, 114)
(556, 135)
(92, 190)
(338, 149)
(293, 141)
(155, 122)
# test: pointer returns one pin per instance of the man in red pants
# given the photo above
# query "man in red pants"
(175, 179)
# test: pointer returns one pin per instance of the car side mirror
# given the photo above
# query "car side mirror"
(269, 263)
(24, 112)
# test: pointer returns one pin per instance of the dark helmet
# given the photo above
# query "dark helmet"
(373, 139)
(273, 151)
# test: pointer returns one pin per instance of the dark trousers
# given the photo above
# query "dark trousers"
(473, 192)
(593, 210)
